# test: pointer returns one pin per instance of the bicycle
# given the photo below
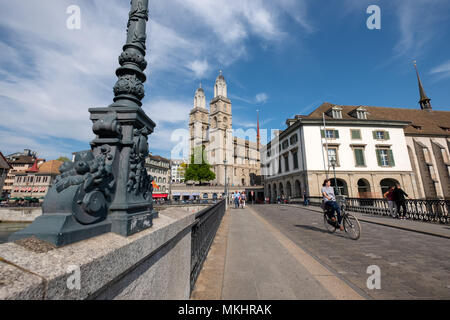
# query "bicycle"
(351, 224)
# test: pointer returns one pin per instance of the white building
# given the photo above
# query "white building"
(370, 153)
(177, 171)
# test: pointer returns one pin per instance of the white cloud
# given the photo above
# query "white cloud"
(261, 98)
(442, 70)
(417, 29)
(50, 76)
(200, 68)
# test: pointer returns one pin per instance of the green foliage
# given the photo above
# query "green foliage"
(199, 169)
(63, 159)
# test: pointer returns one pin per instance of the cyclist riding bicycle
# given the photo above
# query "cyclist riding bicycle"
(329, 200)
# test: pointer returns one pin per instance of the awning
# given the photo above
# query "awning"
(176, 194)
(195, 194)
(164, 195)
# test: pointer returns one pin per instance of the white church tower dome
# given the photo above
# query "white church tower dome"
(220, 88)
(199, 98)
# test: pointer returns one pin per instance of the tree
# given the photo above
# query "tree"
(63, 159)
(199, 168)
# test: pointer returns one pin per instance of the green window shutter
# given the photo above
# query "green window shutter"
(391, 159)
(336, 134)
(359, 157)
(379, 158)
(356, 134)
(374, 134)
(386, 136)
(322, 132)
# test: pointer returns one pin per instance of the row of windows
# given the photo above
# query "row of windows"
(385, 157)
(31, 180)
(355, 134)
(157, 171)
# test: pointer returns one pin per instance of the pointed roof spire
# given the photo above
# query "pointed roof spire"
(424, 100)
(35, 167)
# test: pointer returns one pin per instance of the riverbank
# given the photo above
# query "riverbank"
(8, 228)
(19, 214)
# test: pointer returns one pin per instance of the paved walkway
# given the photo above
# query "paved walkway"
(434, 229)
(261, 263)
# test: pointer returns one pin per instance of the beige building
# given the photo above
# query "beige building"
(213, 129)
(159, 168)
(35, 182)
(20, 162)
(4, 169)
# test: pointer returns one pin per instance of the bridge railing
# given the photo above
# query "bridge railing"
(420, 210)
(204, 230)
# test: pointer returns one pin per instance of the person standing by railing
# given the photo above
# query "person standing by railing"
(305, 199)
(400, 201)
(389, 195)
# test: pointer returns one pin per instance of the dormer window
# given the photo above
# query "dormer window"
(361, 113)
(336, 112)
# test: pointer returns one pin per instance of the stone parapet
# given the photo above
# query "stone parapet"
(153, 264)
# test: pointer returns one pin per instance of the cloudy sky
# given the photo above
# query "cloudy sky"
(282, 57)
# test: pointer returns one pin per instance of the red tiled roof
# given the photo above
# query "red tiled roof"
(427, 122)
(50, 167)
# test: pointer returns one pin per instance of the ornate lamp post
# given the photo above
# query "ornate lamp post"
(107, 189)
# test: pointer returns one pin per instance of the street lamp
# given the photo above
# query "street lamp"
(226, 187)
(333, 164)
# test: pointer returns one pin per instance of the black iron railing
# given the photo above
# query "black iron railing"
(204, 230)
(420, 210)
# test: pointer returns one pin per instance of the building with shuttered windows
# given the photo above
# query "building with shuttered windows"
(369, 153)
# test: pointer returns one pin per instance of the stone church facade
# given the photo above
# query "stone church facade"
(234, 158)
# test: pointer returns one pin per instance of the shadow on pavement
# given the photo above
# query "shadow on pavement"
(337, 233)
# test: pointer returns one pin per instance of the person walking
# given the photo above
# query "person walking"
(399, 198)
(243, 198)
(389, 195)
(236, 200)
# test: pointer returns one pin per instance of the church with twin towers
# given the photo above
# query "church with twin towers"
(233, 159)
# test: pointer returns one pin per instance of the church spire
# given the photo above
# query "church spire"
(424, 100)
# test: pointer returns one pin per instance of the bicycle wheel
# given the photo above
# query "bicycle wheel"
(329, 227)
(352, 227)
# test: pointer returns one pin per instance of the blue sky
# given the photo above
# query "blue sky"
(284, 58)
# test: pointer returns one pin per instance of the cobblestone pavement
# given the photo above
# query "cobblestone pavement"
(413, 265)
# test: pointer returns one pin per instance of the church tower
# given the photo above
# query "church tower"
(221, 131)
(199, 121)
(220, 106)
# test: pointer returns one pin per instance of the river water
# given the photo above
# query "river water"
(6, 229)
